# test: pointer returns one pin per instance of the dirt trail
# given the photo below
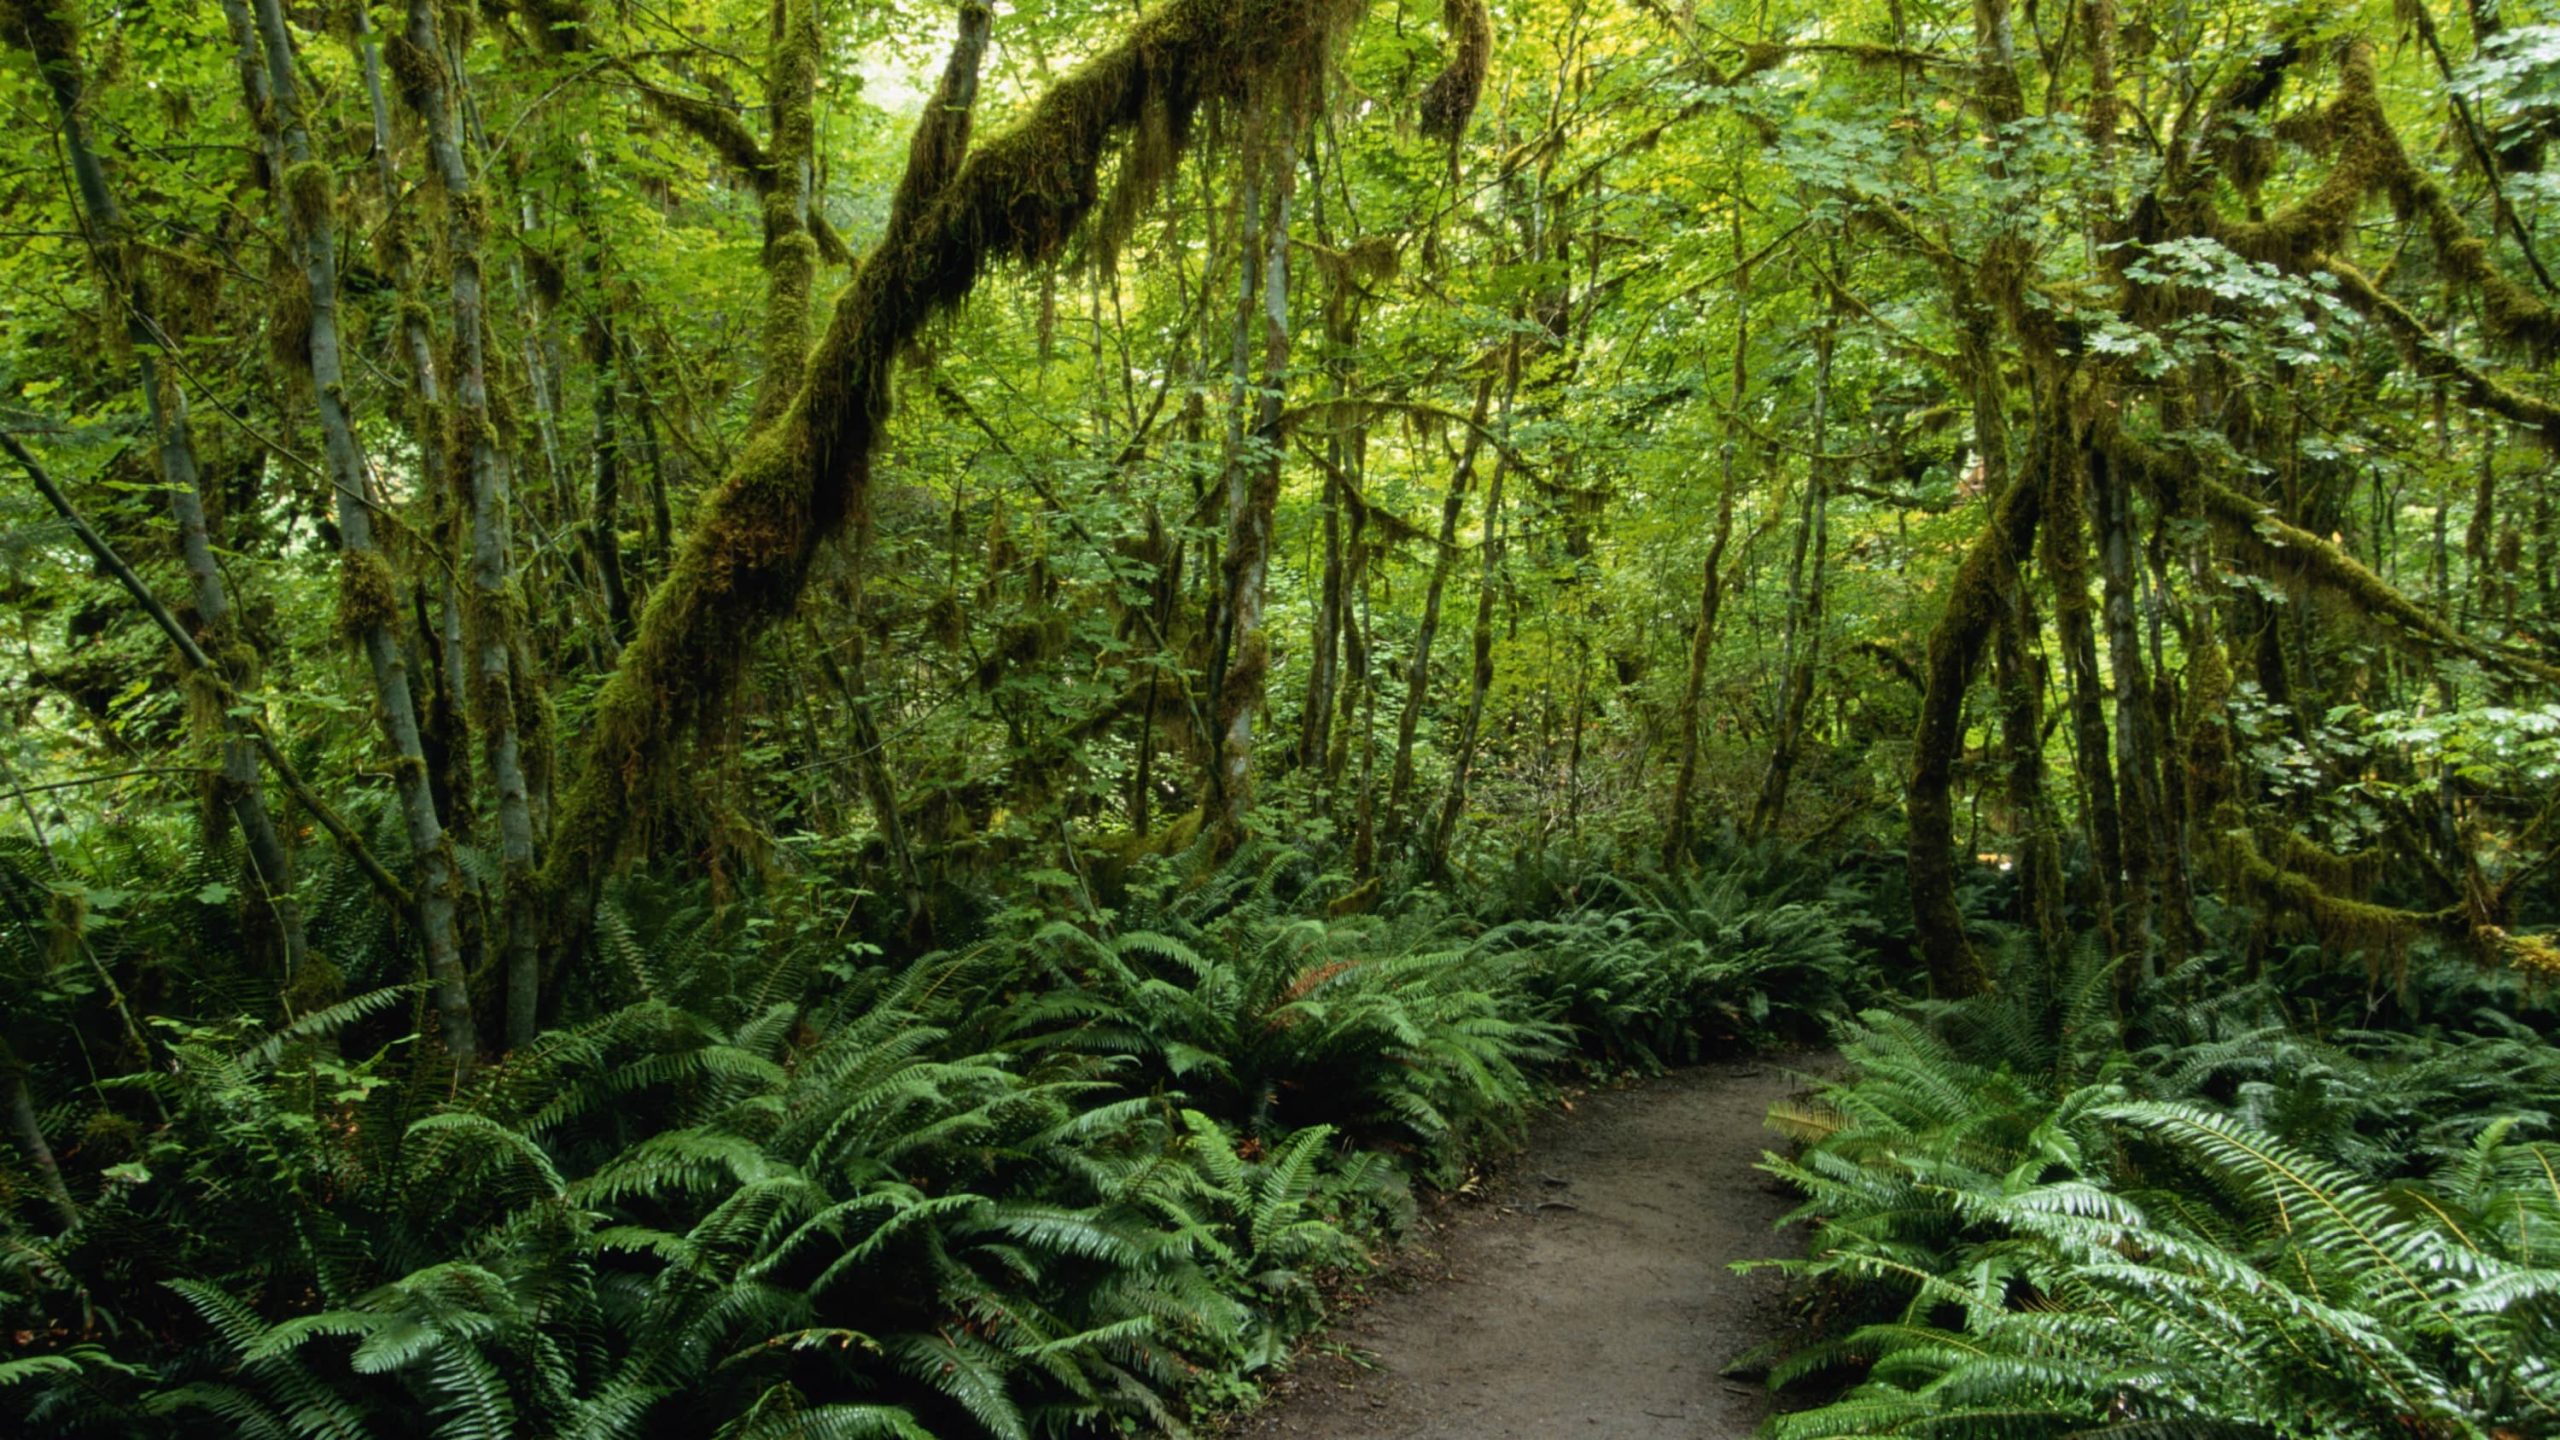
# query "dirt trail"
(1590, 1297)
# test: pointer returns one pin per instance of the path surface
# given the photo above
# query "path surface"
(1590, 1298)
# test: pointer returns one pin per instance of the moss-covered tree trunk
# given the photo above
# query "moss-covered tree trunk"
(1974, 603)
(181, 477)
(495, 606)
(1702, 635)
(1253, 493)
(368, 600)
(1444, 555)
(2065, 552)
(2137, 765)
(1019, 196)
(1489, 576)
(1800, 648)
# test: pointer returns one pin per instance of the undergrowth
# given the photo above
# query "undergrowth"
(1084, 1173)
(2221, 1212)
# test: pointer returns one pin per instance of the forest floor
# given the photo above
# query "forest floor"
(1585, 1292)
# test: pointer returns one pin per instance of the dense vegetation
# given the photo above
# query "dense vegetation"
(873, 719)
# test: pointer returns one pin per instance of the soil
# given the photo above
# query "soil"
(1585, 1292)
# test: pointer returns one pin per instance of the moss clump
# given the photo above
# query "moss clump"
(2381, 932)
(109, 1138)
(311, 196)
(208, 698)
(50, 30)
(367, 598)
(239, 664)
(1449, 101)
(2539, 954)
(417, 74)
(289, 323)
(317, 985)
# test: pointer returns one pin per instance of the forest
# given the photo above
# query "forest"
(897, 718)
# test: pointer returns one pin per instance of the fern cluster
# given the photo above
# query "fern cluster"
(2232, 1227)
(1657, 970)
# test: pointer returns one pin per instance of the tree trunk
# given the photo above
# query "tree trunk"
(165, 402)
(1801, 650)
(494, 604)
(2136, 764)
(2065, 551)
(1021, 196)
(368, 599)
(1253, 496)
(1702, 637)
(1443, 559)
(1453, 802)
(1955, 649)
(30, 1132)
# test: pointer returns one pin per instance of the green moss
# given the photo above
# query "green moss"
(289, 322)
(1018, 196)
(416, 73)
(50, 29)
(367, 598)
(1449, 101)
(310, 196)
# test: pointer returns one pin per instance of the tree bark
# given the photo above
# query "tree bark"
(1702, 636)
(1253, 497)
(1443, 558)
(165, 402)
(1955, 649)
(368, 603)
(30, 1132)
(1453, 802)
(1800, 651)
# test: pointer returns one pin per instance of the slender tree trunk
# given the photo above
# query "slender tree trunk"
(30, 1132)
(2038, 857)
(1955, 650)
(1253, 495)
(1315, 719)
(181, 482)
(1453, 802)
(2137, 767)
(495, 605)
(199, 667)
(1443, 559)
(2065, 551)
(1800, 652)
(1702, 637)
(790, 251)
(368, 599)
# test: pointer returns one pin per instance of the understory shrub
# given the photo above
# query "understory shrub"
(2029, 1218)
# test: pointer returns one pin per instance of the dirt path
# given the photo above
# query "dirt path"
(1589, 1298)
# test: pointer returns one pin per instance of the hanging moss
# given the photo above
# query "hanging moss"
(1449, 101)
(289, 323)
(414, 72)
(714, 125)
(367, 598)
(2324, 219)
(50, 30)
(2537, 954)
(310, 196)
(2180, 484)
(2430, 358)
(1019, 196)
(2380, 932)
